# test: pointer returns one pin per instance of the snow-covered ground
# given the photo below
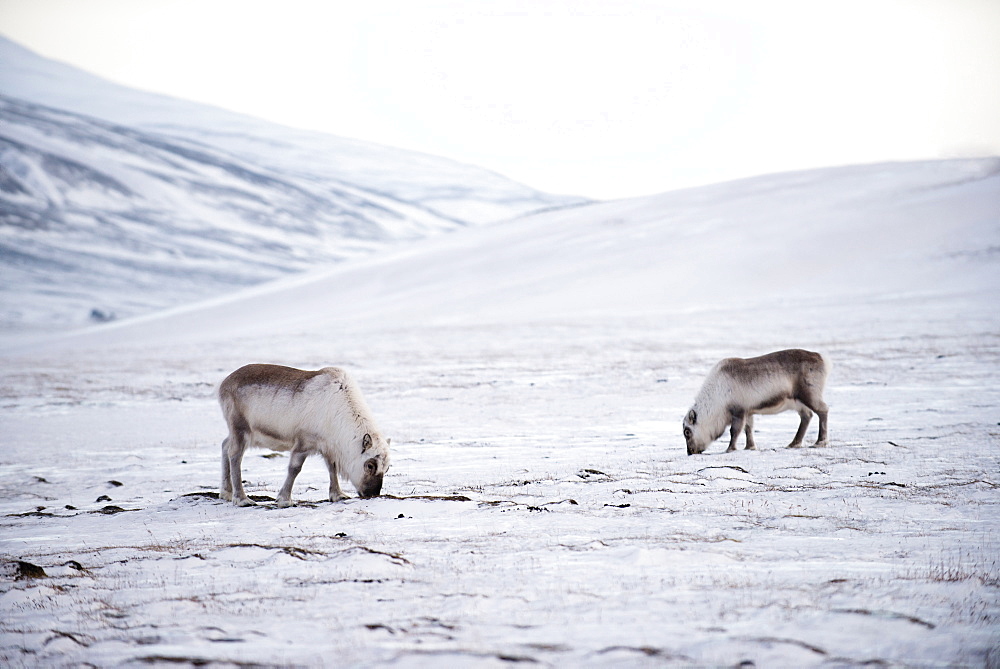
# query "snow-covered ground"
(540, 508)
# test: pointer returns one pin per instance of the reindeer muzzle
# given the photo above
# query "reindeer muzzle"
(371, 487)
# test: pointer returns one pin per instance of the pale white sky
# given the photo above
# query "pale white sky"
(602, 99)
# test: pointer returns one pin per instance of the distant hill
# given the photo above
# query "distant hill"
(869, 235)
(116, 202)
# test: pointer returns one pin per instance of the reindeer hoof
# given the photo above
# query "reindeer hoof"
(821, 444)
(750, 448)
(337, 498)
(795, 444)
(284, 503)
(246, 501)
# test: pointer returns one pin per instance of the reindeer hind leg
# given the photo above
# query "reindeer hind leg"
(237, 446)
(748, 429)
(226, 486)
(805, 415)
(812, 398)
(822, 410)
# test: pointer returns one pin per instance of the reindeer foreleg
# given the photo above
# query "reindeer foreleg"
(336, 494)
(738, 421)
(296, 458)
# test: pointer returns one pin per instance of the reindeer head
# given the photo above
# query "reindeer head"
(374, 463)
(694, 434)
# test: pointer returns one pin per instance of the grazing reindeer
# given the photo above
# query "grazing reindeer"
(736, 389)
(305, 412)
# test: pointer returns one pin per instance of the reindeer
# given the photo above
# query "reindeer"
(738, 388)
(304, 412)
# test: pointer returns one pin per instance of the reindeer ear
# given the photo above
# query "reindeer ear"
(388, 442)
(366, 443)
(692, 417)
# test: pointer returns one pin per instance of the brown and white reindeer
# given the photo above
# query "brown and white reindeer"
(304, 412)
(738, 388)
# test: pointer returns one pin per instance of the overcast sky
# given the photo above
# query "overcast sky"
(603, 99)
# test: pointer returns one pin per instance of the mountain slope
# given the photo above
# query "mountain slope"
(114, 201)
(860, 233)
(99, 216)
(452, 190)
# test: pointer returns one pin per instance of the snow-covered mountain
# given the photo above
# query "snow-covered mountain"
(116, 201)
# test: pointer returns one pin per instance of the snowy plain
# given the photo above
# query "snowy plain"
(540, 509)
